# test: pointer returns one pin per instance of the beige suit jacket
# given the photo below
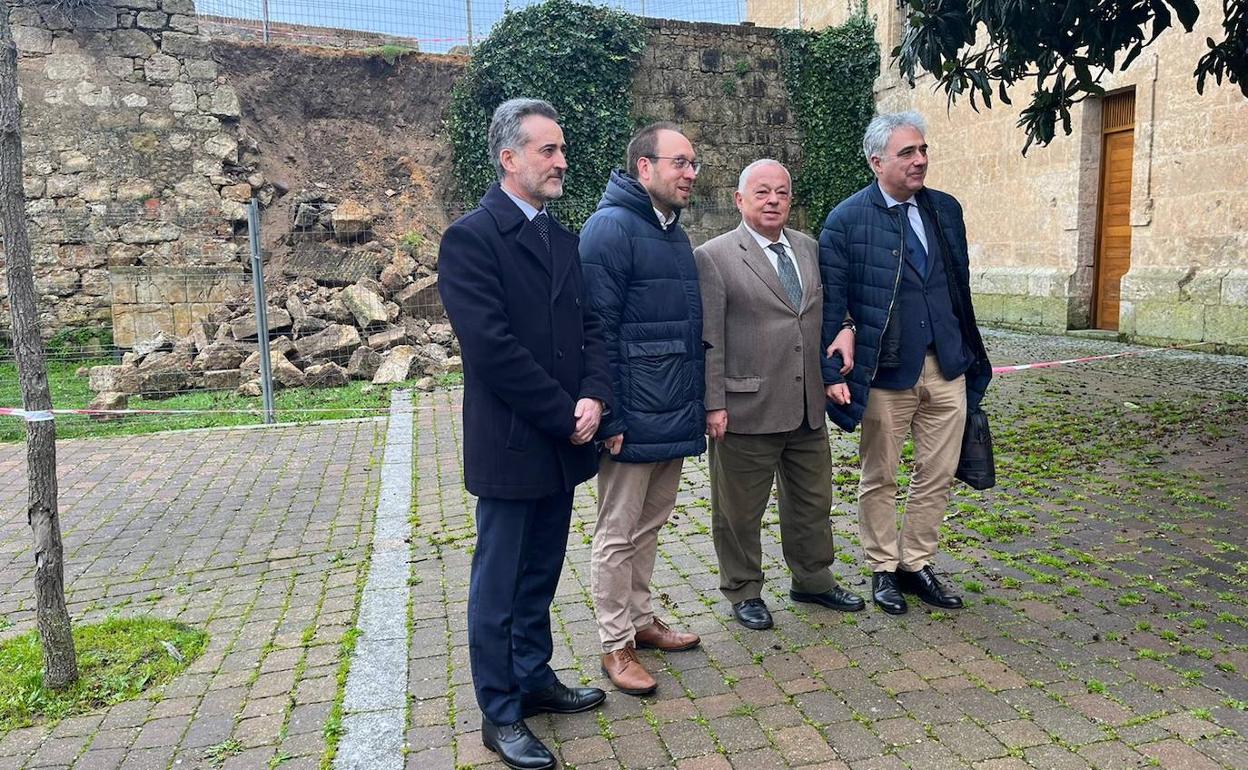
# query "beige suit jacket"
(762, 355)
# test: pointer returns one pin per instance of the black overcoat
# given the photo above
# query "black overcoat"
(531, 347)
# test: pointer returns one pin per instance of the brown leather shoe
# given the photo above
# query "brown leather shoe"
(626, 672)
(660, 636)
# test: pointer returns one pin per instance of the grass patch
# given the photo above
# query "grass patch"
(389, 52)
(71, 392)
(117, 660)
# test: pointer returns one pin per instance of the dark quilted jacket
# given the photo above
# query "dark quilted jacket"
(643, 283)
(860, 261)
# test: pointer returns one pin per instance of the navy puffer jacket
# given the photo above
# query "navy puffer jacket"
(643, 284)
(860, 262)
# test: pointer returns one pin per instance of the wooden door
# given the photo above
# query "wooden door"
(1113, 240)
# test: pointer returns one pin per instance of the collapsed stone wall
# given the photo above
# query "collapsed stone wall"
(144, 139)
(133, 154)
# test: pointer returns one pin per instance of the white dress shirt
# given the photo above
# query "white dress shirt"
(764, 242)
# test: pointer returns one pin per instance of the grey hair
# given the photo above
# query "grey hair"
(881, 129)
(745, 172)
(506, 132)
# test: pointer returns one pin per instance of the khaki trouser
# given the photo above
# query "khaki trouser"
(935, 410)
(742, 469)
(634, 502)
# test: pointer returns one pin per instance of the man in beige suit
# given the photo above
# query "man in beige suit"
(762, 309)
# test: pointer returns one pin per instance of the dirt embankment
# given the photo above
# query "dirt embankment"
(335, 125)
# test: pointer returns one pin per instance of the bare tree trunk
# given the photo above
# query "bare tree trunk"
(60, 665)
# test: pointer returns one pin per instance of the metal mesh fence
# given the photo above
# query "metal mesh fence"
(152, 321)
(436, 27)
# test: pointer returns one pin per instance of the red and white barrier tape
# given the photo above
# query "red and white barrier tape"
(49, 414)
(1085, 359)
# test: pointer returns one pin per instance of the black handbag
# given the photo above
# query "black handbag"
(976, 465)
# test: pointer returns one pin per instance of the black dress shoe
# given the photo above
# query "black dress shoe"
(753, 614)
(516, 746)
(924, 585)
(559, 699)
(835, 598)
(885, 594)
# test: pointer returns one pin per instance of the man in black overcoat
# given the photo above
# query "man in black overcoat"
(536, 382)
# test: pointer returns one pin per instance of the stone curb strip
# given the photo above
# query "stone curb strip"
(375, 704)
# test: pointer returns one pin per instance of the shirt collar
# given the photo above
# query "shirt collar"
(525, 206)
(764, 241)
(665, 221)
(890, 200)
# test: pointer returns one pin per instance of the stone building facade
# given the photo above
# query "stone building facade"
(135, 168)
(1037, 224)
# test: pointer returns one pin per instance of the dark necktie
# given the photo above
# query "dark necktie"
(918, 254)
(542, 223)
(788, 274)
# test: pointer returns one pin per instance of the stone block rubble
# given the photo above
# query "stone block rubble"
(386, 331)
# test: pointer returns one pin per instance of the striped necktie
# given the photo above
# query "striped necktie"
(788, 274)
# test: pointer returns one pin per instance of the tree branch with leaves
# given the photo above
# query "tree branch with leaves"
(981, 48)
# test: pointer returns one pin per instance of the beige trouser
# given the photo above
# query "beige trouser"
(634, 502)
(743, 468)
(935, 410)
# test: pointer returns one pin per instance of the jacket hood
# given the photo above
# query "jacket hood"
(623, 191)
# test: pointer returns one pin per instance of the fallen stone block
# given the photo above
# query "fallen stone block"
(110, 401)
(384, 340)
(221, 355)
(420, 299)
(222, 379)
(328, 375)
(351, 220)
(153, 344)
(363, 364)
(365, 304)
(117, 379)
(247, 327)
(334, 343)
(396, 366)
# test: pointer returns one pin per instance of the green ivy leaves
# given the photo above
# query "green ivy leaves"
(830, 76)
(580, 58)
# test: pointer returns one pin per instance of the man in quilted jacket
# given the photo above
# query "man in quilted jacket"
(643, 284)
(894, 256)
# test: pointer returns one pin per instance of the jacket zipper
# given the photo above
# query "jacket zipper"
(901, 256)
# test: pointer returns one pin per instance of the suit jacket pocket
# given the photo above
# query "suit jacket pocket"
(659, 379)
(742, 384)
(518, 434)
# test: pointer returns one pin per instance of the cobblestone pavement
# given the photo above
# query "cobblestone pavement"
(1107, 623)
(256, 536)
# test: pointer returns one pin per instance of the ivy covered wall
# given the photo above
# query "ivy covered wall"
(740, 92)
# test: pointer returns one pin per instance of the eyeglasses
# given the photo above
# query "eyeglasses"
(680, 162)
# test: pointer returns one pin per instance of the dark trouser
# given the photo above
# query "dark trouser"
(743, 468)
(515, 571)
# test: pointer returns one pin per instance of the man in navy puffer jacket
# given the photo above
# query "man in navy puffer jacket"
(643, 284)
(894, 255)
